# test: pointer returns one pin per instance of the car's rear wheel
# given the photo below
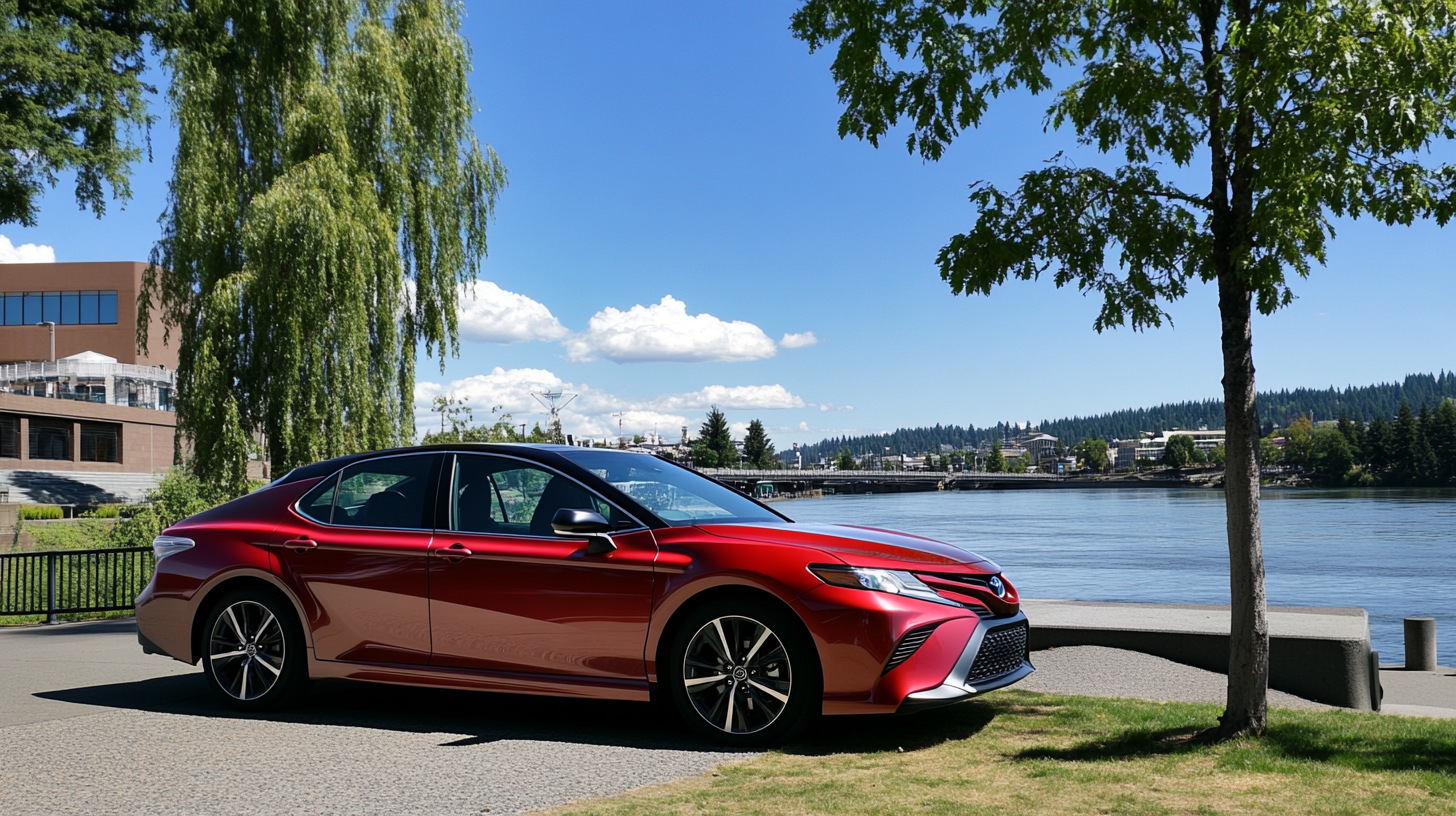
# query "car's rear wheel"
(742, 672)
(253, 653)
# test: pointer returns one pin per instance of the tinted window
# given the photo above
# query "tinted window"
(51, 307)
(90, 307)
(107, 308)
(70, 308)
(318, 503)
(505, 496)
(385, 493)
(14, 309)
(674, 494)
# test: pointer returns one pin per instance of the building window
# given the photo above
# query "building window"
(9, 437)
(50, 439)
(62, 308)
(99, 442)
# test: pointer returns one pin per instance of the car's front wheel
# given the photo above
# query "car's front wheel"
(745, 673)
(253, 652)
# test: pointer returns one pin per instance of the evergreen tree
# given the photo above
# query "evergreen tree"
(1377, 447)
(758, 449)
(1443, 439)
(715, 439)
(328, 199)
(1427, 467)
(845, 460)
(1404, 445)
(995, 460)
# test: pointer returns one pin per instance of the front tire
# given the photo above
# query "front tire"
(253, 652)
(744, 673)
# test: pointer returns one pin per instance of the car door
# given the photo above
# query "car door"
(356, 555)
(508, 594)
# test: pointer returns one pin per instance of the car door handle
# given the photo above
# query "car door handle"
(454, 552)
(300, 544)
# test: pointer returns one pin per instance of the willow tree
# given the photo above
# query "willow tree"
(1292, 114)
(328, 196)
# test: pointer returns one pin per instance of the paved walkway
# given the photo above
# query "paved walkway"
(96, 727)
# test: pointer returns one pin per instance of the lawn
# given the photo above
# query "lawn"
(1024, 753)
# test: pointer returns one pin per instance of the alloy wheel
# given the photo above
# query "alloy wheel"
(736, 673)
(246, 650)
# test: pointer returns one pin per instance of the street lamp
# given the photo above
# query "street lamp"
(52, 325)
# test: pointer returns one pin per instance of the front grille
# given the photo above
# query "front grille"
(1003, 650)
(909, 644)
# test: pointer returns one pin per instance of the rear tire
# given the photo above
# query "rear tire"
(744, 673)
(253, 652)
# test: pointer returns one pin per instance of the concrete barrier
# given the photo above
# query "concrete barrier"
(1319, 654)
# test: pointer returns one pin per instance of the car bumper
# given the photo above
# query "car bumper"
(995, 656)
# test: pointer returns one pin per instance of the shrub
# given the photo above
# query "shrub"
(105, 511)
(179, 496)
(39, 512)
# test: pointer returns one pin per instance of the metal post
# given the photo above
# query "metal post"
(1420, 644)
(51, 594)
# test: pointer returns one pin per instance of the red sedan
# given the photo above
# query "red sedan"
(577, 572)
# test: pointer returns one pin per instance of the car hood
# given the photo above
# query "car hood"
(862, 546)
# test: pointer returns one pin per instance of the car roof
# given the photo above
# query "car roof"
(545, 453)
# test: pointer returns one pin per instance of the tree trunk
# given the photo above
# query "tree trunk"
(1248, 676)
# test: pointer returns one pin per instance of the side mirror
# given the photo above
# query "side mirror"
(575, 523)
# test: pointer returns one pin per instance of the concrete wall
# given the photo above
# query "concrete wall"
(32, 343)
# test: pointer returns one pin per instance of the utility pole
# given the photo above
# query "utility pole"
(621, 441)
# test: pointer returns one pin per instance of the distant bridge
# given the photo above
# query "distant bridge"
(879, 481)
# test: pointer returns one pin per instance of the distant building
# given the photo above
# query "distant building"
(1204, 440)
(75, 424)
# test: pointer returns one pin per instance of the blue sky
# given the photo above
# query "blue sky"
(688, 151)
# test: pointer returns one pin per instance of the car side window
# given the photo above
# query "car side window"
(389, 492)
(318, 503)
(508, 497)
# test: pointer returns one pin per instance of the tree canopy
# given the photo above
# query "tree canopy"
(758, 449)
(714, 447)
(328, 198)
(1296, 114)
(71, 96)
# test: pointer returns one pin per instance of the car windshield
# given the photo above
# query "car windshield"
(674, 494)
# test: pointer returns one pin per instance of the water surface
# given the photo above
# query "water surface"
(1391, 552)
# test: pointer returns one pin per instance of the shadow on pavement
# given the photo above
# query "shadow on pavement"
(101, 627)
(481, 717)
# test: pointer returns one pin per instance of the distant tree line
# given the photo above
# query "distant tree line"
(1276, 409)
(1416, 448)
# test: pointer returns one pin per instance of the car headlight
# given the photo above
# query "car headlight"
(894, 582)
(163, 546)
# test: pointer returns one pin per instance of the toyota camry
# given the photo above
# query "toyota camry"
(575, 572)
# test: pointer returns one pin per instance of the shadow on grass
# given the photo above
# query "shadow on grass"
(1363, 742)
(889, 733)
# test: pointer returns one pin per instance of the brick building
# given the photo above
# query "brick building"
(85, 418)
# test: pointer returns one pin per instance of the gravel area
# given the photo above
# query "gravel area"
(1097, 671)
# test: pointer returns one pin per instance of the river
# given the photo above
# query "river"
(1390, 552)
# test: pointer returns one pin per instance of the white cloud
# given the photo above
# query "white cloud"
(803, 340)
(665, 332)
(803, 426)
(25, 253)
(490, 314)
(742, 397)
(593, 412)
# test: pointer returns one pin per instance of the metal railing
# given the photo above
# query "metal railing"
(63, 581)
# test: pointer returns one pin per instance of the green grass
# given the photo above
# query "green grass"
(70, 534)
(1027, 753)
(68, 617)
